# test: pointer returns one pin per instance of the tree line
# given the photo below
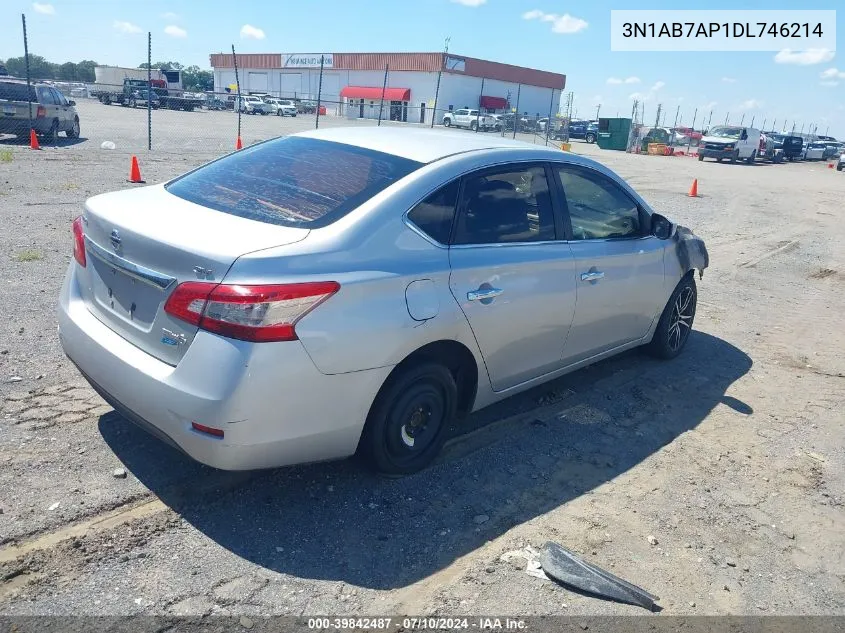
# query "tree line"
(193, 78)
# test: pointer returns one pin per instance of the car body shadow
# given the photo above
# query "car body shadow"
(44, 141)
(338, 522)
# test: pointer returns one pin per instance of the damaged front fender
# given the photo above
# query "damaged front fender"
(690, 251)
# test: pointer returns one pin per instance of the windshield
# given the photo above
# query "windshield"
(726, 132)
(293, 181)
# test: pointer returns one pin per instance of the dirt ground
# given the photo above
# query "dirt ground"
(714, 481)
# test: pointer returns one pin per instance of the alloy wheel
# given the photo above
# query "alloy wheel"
(680, 324)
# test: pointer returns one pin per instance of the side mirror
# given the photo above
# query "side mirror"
(661, 228)
(71, 102)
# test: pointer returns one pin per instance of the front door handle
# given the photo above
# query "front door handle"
(484, 293)
(592, 276)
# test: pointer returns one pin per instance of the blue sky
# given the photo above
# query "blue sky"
(807, 88)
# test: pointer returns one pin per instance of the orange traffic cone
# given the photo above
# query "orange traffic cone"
(238, 144)
(135, 171)
(693, 191)
(33, 140)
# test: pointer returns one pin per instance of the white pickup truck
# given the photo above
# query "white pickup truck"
(469, 119)
(730, 142)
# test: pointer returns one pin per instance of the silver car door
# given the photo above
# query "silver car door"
(513, 279)
(620, 279)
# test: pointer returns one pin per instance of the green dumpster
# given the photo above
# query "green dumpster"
(614, 133)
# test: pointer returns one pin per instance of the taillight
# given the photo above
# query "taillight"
(41, 112)
(249, 313)
(79, 242)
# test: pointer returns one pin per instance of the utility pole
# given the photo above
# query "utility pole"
(439, 75)
(383, 90)
(742, 120)
(694, 116)
(677, 112)
(726, 117)
(319, 92)
(657, 118)
(752, 120)
(710, 118)
(598, 109)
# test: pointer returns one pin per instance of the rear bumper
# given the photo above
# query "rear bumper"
(9, 125)
(272, 403)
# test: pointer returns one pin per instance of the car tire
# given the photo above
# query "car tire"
(750, 160)
(133, 103)
(73, 132)
(416, 403)
(590, 138)
(447, 122)
(734, 157)
(839, 167)
(700, 158)
(473, 126)
(675, 323)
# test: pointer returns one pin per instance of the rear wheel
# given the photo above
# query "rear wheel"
(839, 167)
(407, 424)
(750, 160)
(73, 132)
(133, 103)
(701, 157)
(447, 122)
(675, 323)
(590, 138)
(473, 126)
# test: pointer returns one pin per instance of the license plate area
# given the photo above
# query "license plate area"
(10, 110)
(123, 296)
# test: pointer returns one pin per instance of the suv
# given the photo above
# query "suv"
(587, 130)
(51, 112)
(471, 119)
(251, 104)
(285, 107)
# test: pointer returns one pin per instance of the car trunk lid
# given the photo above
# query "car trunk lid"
(142, 243)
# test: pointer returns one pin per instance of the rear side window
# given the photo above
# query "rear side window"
(434, 215)
(293, 181)
(14, 91)
(45, 96)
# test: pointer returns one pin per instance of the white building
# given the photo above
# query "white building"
(352, 83)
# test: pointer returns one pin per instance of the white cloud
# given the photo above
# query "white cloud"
(44, 9)
(657, 86)
(470, 3)
(170, 16)
(728, 80)
(597, 99)
(615, 81)
(710, 106)
(565, 24)
(126, 27)
(175, 31)
(750, 104)
(829, 84)
(804, 58)
(249, 32)
(638, 96)
(832, 73)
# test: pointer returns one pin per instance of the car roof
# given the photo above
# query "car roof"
(422, 145)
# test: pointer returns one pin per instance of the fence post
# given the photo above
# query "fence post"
(26, 61)
(319, 92)
(238, 86)
(689, 142)
(478, 112)
(516, 114)
(149, 91)
(383, 89)
(710, 118)
(549, 122)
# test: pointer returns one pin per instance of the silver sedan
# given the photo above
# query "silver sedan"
(359, 289)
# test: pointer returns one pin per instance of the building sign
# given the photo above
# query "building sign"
(455, 63)
(307, 60)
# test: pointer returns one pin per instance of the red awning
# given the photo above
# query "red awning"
(493, 103)
(373, 93)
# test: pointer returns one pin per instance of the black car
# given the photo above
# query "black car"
(792, 146)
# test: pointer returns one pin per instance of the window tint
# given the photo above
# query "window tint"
(15, 91)
(598, 209)
(510, 205)
(59, 97)
(45, 96)
(434, 215)
(293, 181)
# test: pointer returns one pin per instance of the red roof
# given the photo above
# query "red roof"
(493, 103)
(375, 93)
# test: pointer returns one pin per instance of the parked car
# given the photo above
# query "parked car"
(791, 146)
(139, 98)
(306, 107)
(285, 107)
(840, 163)
(688, 133)
(815, 150)
(51, 111)
(730, 142)
(470, 119)
(499, 125)
(250, 104)
(832, 150)
(235, 311)
(587, 130)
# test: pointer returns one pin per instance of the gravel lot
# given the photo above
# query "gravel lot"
(732, 457)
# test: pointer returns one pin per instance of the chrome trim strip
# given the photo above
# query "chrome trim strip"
(145, 275)
(407, 221)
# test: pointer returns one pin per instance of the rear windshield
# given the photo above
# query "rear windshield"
(14, 91)
(293, 181)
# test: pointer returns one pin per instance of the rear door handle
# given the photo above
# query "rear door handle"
(486, 293)
(593, 275)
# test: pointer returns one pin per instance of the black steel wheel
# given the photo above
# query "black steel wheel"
(408, 422)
